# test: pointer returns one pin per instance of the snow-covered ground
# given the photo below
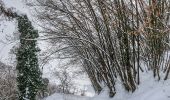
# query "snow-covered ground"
(156, 91)
(58, 96)
(150, 93)
(149, 89)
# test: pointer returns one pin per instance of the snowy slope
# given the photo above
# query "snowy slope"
(58, 96)
(149, 89)
(151, 93)
(7, 28)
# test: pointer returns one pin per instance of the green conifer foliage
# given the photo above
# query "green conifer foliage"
(29, 75)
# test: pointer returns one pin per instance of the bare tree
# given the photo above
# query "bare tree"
(111, 38)
(66, 80)
(8, 85)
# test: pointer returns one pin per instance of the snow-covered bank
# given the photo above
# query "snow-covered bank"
(58, 96)
(160, 92)
(155, 92)
(149, 89)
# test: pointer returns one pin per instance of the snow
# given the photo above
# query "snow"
(6, 40)
(54, 96)
(150, 93)
(66, 97)
(7, 29)
(149, 89)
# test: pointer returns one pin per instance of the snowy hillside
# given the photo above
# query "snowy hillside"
(151, 93)
(157, 91)
(66, 97)
(150, 89)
